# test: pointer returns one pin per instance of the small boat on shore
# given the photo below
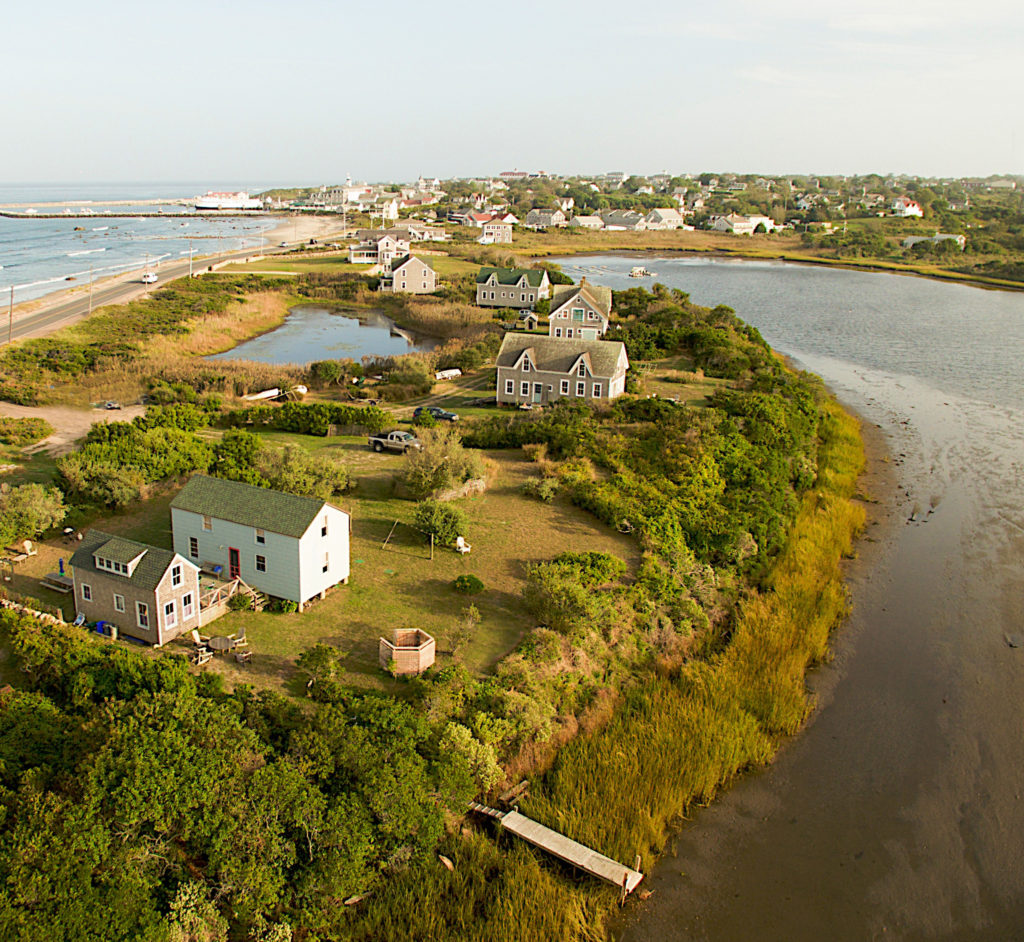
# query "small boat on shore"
(640, 272)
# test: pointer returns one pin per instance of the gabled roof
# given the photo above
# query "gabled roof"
(598, 296)
(399, 262)
(510, 276)
(554, 355)
(147, 573)
(250, 506)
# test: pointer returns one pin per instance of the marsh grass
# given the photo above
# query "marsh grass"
(673, 743)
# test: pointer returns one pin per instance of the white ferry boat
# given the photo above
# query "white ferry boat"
(239, 200)
(640, 272)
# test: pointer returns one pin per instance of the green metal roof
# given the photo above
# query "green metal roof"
(257, 507)
(511, 276)
(147, 574)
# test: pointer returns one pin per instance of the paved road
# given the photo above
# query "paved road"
(62, 310)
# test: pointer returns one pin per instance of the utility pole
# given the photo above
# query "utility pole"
(190, 258)
(10, 318)
(90, 289)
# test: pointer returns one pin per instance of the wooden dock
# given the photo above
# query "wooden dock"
(564, 848)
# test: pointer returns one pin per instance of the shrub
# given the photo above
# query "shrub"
(441, 464)
(29, 510)
(239, 602)
(445, 521)
(468, 584)
(543, 489)
(281, 606)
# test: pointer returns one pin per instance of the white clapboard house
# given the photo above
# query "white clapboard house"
(286, 546)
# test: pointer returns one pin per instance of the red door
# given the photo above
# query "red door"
(234, 563)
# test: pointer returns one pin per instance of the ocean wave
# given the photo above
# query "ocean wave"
(85, 252)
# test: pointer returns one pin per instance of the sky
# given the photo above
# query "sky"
(304, 92)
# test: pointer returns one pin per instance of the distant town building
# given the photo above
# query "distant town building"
(664, 219)
(911, 241)
(544, 219)
(586, 222)
(905, 207)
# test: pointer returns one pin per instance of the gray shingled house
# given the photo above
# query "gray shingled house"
(409, 275)
(148, 593)
(579, 312)
(511, 287)
(538, 370)
(287, 546)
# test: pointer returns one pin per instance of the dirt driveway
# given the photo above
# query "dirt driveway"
(69, 424)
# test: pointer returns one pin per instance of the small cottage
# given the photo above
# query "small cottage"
(409, 275)
(147, 593)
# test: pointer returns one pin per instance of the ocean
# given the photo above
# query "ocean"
(38, 256)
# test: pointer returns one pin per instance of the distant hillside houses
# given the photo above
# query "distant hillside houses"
(496, 232)
(664, 219)
(519, 288)
(544, 219)
(911, 241)
(378, 250)
(623, 219)
(586, 222)
(905, 207)
(742, 225)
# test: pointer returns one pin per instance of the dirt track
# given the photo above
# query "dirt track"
(69, 424)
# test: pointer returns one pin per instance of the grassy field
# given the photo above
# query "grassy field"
(329, 264)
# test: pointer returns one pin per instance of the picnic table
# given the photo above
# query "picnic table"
(221, 644)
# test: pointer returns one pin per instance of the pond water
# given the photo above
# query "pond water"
(898, 813)
(314, 332)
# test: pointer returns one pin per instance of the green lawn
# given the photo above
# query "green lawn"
(331, 265)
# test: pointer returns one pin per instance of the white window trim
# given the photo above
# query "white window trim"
(510, 387)
(524, 388)
(193, 547)
(597, 390)
(176, 577)
(259, 557)
(565, 387)
(86, 592)
(261, 536)
(186, 606)
(142, 614)
(118, 602)
(581, 389)
(170, 614)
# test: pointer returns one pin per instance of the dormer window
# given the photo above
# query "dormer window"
(526, 364)
(582, 369)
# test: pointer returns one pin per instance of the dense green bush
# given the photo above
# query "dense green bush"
(314, 418)
(29, 510)
(468, 584)
(442, 463)
(543, 489)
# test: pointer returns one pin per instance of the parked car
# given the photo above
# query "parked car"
(398, 440)
(149, 278)
(111, 404)
(442, 415)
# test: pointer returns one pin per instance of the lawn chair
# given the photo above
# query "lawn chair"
(243, 657)
(79, 620)
(202, 656)
(197, 639)
(240, 640)
(461, 546)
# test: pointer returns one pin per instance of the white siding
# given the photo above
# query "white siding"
(312, 579)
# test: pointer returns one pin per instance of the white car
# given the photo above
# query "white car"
(149, 278)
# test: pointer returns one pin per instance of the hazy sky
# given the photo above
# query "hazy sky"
(306, 91)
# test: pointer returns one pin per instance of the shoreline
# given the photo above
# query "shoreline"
(724, 254)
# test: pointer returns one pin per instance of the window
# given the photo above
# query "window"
(207, 522)
(261, 537)
(558, 331)
(170, 615)
(581, 389)
(176, 576)
(526, 364)
(568, 332)
(524, 389)
(323, 528)
(492, 295)
(531, 297)
(261, 563)
(577, 313)
(186, 605)
(510, 387)
(597, 390)
(565, 387)
(582, 370)
(118, 603)
(522, 297)
(142, 614)
(193, 547)
(86, 592)
(326, 562)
